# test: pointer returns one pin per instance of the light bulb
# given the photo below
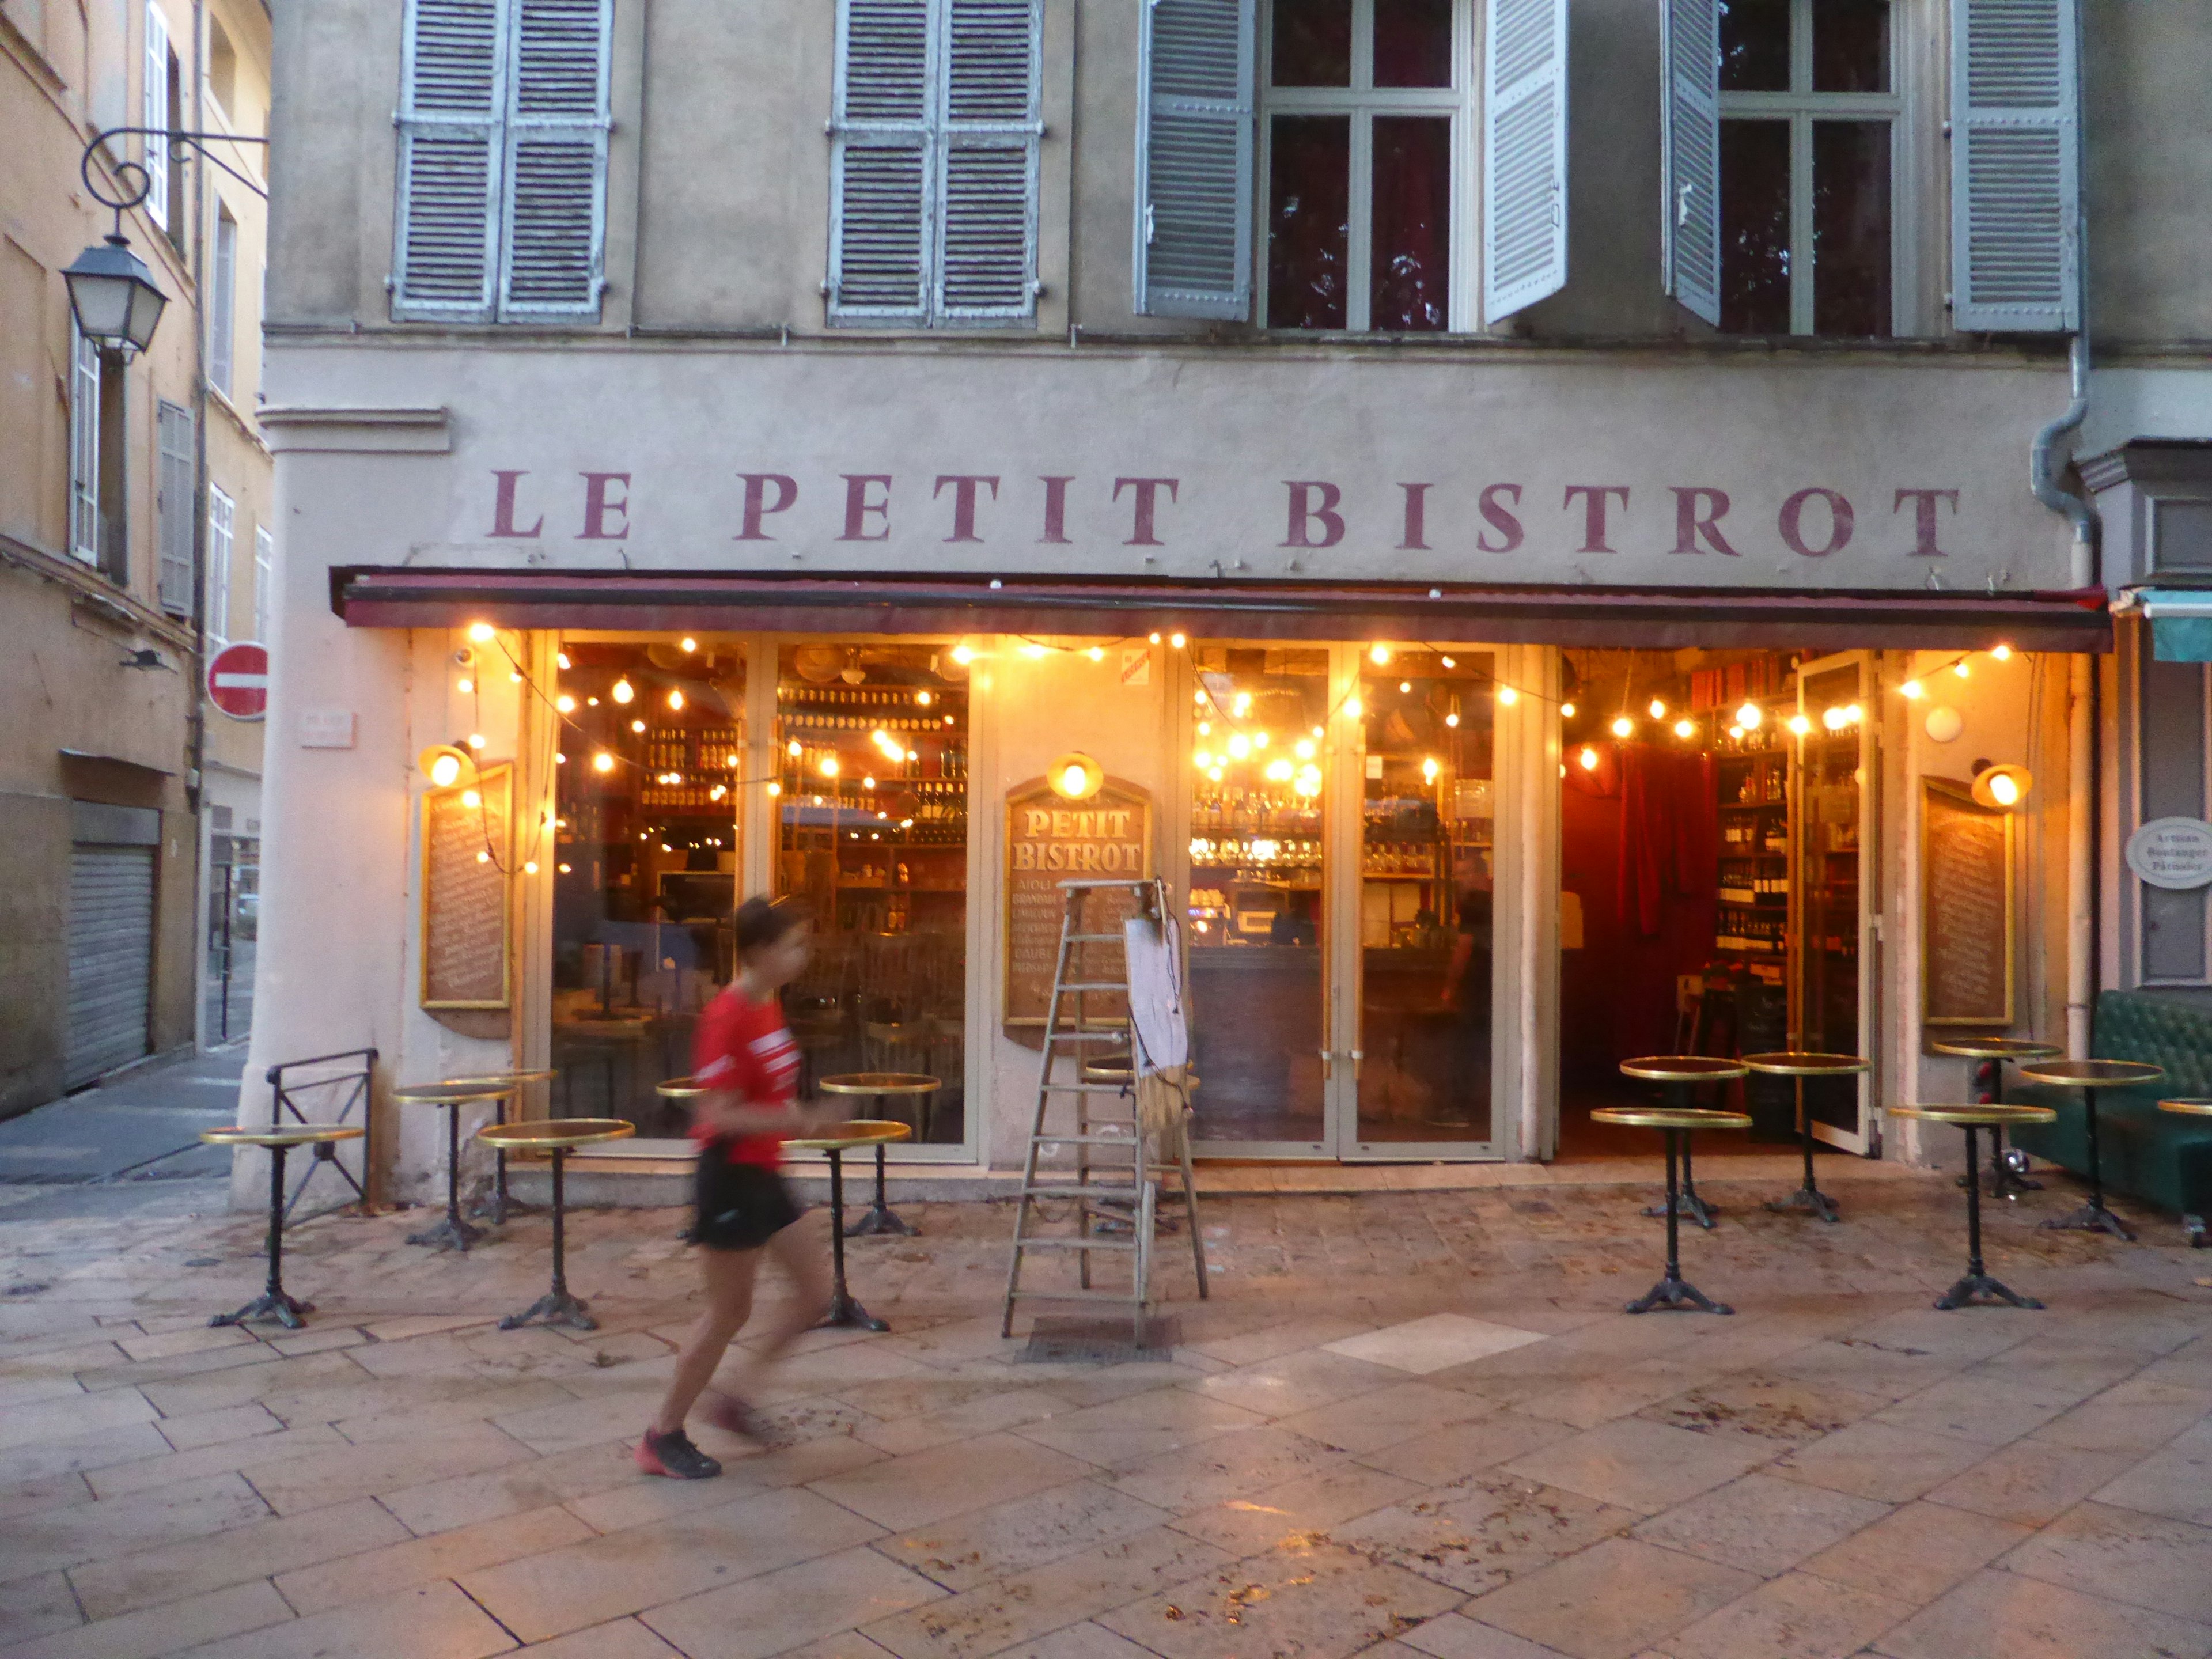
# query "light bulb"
(1588, 758)
(1032, 650)
(962, 654)
(1800, 725)
(530, 867)
(1566, 711)
(592, 701)
(1449, 662)
(676, 700)
(464, 686)
(562, 868)
(1452, 720)
(1685, 728)
(1960, 669)
(1279, 771)
(1735, 734)
(444, 769)
(921, 699)
(1097, 653)
(515, 677)
(1261, 739)
(1305, 748)
(1072, 780)
(1658, 709)
(829, 767)
(1354, 708)
(559, 759)
(623, 691)
(476, 740)
(481, 632)
(2005, 790)
(792, 749)
(1206, 728)
(1156, 638)
(561, 657)
(484, 858)
(1215, 774)
(774, 789)
(1242, 705)
(637, 725)
(1429, 768)
(1404, 686)
(1853, 715)
(867, 783)
(565, 704)
(469, 797)
(1175, 640)
(1378, 654)
(1751, 717)
(603, 762)
(1507, 697)
(1911, 689)
(1239, 746)
(688, 643)
(1623, 726)
(1832, 719)
(2001, 653)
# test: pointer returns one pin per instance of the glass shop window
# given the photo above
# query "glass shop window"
(1809, 112)
(872, 813)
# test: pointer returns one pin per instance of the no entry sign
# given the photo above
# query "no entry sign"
(238, 681)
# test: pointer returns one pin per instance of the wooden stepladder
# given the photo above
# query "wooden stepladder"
(1090, 1058)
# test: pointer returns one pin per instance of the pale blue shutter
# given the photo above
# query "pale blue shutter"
(1195, 78)
(1524, 163)
(446, 257)
(554, 201)
(173, 506)
(153, 115)
(880, 163)
(84, 529)
(986, 243)
(1690, 46)
(2016, 163)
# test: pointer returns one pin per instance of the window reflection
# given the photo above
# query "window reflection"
(1308, 226)
(1411, 281)
(1755, 226)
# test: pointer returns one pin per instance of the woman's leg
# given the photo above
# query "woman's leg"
(729, 1275)
(801, 1257)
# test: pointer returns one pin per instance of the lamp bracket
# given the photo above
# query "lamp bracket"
(137, 184)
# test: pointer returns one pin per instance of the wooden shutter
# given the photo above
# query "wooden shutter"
(2016, 161)
(223, 302)
(1195, 76)
(1524, 163)
(880, 163)
(84, 539)
(172, 506)
(988, 161)
(264, 579)
(221, 516)
(444, 261)
(1690, 218)
(153, 115)
(555, 199)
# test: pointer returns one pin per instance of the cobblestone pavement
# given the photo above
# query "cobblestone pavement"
(1405, 1423)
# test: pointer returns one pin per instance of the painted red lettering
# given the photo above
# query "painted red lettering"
(858, 507)
(1147, 494)
(1792, 523)
(1594, 497)
(1697, 513)
(964, 501)
(1501, 518)
(598, 507)
(757, 505)
(1923, 517)
(1306, 512)
(502, 512)
(1417, 516)
(1055, 509)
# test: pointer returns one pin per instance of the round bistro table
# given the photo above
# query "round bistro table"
(2005, 1181)
(272, 1304)
(2089, 1076)
(453, 1233)
(1798, 1065)
(2191, 1107)
(498, 1206)
(881, 1086)
(860, 1131)
(1673, 1292)
(1978, 1282)
(1682, 1073)
(560, 1136)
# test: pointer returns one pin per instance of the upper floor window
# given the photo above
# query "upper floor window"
(503, 127)
(934, 175)
(1362, 120)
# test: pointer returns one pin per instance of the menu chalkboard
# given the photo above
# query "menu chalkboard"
(466, 860)
(1051, 839)
(1966, 926)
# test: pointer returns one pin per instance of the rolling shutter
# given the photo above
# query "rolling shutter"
(1524, 194)
(172, 506)
(153, 115)
(1195, 75)
(879, 231)
(110, 955)
(445, 263)
(1690, 47)
(989, 161)
(2015, 160)
(555, 200)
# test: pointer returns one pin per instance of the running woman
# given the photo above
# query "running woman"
(745, 1052)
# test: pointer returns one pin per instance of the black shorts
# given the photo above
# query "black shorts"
(739, 1207)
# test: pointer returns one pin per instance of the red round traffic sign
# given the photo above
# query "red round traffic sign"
(238, 680)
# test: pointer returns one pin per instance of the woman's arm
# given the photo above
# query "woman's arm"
(728, 1112)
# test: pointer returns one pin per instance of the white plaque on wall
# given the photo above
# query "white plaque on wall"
(2175, 854)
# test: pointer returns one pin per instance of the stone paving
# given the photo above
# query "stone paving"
(1405, 1424)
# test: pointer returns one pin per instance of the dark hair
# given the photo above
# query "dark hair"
(763, 921)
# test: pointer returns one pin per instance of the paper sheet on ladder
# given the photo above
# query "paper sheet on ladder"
(1157, 1010)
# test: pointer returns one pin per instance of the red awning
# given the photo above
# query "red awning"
(1926, 620)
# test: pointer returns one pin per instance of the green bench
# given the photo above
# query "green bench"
(2160, 1158)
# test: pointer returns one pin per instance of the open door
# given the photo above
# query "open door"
(1832, 982)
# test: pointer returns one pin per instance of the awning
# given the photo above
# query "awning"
(2180, 621)
(1661, 618)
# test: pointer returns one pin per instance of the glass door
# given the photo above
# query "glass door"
(1831, 999)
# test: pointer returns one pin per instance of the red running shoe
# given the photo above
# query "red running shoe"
(732, 1415)
(674, 1455)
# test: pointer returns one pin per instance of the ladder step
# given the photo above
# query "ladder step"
(1078, 1244)
(1119, 1034)
(1096, 1190)
(1092, 939)
(1093, 985)
(1130, 1141)
(1126, 1298)
(1134, 886)
(1086, 1088)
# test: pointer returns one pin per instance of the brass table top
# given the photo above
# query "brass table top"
(290, 1134)
(2092, 1074)
(1682, 1068)
(2187, 1106)
(880, 1083)
(681, 1088)
(552, 1133)
(1977, 1117)
(1806, 1063)
(1997, 1048)
(447, 1094)
(860, 1131)
(502, 1080)
(1669, 1117)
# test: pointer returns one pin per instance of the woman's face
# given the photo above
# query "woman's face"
(781, 963)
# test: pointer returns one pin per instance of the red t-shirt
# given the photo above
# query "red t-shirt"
(745, 1047)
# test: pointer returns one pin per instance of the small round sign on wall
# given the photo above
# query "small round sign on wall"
(238, 680)
(2175, 854)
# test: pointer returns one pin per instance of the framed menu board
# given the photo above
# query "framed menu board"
(467, 857)
(1049, 840)
(1966, 909)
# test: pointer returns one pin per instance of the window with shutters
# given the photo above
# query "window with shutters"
(223, 302)
(933, 168)
(264, 579)
(154, 107)
(98, 527)
(1809, 114)
(502, 208)
(1363, 117)
(222, 516)
(174, 513)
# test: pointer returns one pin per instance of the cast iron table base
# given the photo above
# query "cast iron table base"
(843, 1310)
(453, 1233)
(273, 1304)
(1674, 1291)
(2092, 1217)
(880, 1218)
(1978, 1282)
(557, 1306)
(1685, 1203)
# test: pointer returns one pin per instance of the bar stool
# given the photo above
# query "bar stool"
(1682, 1073)
(1978, 1281)
(1798, 1066)
(2192, 1224)
(881, 1086)
(273, 1304)
(2004, 1180)
(1673, 1292)
(860, 1131)
(498, 1206)
(560, 1136)
(2089, 1076)
(453, 1233)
